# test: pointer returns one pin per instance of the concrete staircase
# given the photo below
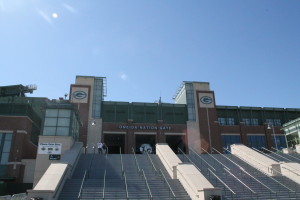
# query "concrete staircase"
(125, 176)
(239, 180)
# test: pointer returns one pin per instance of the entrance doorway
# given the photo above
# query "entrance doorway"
(175, 142)
(145, 142)
(114, 142)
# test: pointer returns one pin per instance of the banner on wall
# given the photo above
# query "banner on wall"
(49, 148)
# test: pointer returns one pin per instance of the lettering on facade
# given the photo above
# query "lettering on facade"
(134, 127)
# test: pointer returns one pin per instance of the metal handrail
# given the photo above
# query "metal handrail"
(147, 185)
(104, 185)
(266, 173)
(155, 170)
(90, 165)
(122, 166)
(202, 159)
(222, 182)
(170, 189)
(136, 162)
(189, 159)
(126, 187)
(289, 155)
(215, 159)
(241, 168)
(277, 154)
(81, 186)
(265, 154)
(239, 180)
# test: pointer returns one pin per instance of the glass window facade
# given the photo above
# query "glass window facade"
(228, 140)
(280, 141)
(97, 97)
(250, 121)
(257, 141)
(5, 145)
(190, 101)
(61, 122)
(229, 121)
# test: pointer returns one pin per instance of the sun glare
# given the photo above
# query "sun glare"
(55, 15)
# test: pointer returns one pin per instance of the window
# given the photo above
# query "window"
(226, 121)
(230, 121)
(222, 121)
(280, 141)
(246, 121)
(277, 122)
(254, 121)
(190, 101)
(228, 140)
(257, 141)
(250, 122)
(270, 121)
(274, 122)
(5, 144)
(57, 122)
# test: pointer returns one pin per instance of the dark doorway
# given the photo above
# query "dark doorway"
(145, 141)
(114, 142)
(176, 142)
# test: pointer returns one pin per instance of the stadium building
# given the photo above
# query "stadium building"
(58, 139)
(194, 120)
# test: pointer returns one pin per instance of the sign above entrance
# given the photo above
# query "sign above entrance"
(144, 127)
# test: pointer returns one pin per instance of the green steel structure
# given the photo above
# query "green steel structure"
(255, 116)
(144, 112)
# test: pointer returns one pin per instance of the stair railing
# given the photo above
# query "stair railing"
(236, 178)
(90, 165)
(152, 164)
(147, 185)
(104, 185)
(224, 166)
(122, 166)
(266, 154)
(126, 187)
(81, 186)
(225, 185)
(136, 162)
(202, 159)
(277, 154)
(288, 155)
(170, 189)
(189, 159)
(243, 170)
(270, 177)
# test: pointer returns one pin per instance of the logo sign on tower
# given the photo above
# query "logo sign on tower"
(79, 95)
(206, 100)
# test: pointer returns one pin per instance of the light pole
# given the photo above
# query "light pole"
(269, 127)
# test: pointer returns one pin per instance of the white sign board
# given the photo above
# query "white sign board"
(206, 100)
(49, 148)
(79, 95)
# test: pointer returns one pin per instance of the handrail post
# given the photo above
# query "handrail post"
(170, 189)
(147, 185)
(81, 186)
(136, 162)
(122, 166)
(104, 185)
(152, 164)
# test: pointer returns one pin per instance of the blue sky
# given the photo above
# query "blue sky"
(249, 50)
